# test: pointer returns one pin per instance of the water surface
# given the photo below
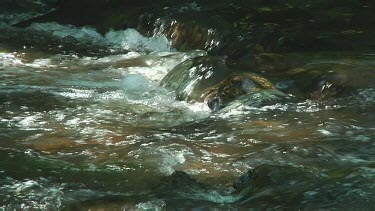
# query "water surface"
(84, 124)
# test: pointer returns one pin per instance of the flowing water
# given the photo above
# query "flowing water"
(84, 124)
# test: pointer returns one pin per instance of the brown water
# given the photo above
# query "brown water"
(85, 125)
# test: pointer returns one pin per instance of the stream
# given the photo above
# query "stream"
(85, 124)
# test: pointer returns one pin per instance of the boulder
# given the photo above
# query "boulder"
(181, 181)
(207, 79)
(192, 78)
(234, 86)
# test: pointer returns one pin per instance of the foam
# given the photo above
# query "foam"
(128, 39)
(9, 60)
(131, 39)
(34, 194)
(10, 18)
(85, 33)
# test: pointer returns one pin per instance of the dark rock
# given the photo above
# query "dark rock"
(322, 82)
(181, 181)
(243, 180)
(27, 5)
(265, 62)
(231, 28)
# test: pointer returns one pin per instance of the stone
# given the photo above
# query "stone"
(234, 86)
(180, 180)
(208, 79)
(194, 77)
(243, 180)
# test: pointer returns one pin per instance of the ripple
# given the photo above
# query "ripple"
(31, 194)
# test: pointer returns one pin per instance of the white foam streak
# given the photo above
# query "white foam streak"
(131, 39)
(9, 59)
(63, 31)
(151, 73)
(128, 39)
(9, 18)
(34, 194)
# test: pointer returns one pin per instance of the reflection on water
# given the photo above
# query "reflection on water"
(83, 128)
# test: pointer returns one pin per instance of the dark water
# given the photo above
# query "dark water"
(85, 125)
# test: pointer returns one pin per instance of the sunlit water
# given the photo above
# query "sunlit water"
(85, 124)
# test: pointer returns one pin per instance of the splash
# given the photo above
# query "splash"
(35, 194)
(131, 39)
(9, 60)
(128, 39)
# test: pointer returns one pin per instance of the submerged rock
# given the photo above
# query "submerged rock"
(327, 79)
(266, 62)
(258, 99)
(181, 184)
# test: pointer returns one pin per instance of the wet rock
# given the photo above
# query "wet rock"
(265, 62)
(322, 83)
(243, 180)
(184, 34)
(230, 28)
(234, 86)
(257, 99)
(208, 79)
(329, 88)
(181, 181)
(192, 78)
